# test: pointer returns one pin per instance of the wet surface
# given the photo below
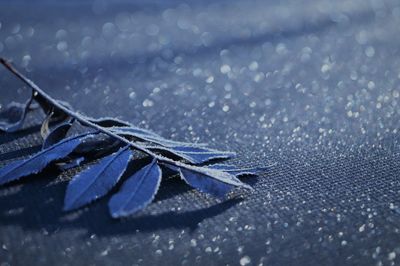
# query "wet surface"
(311, 88)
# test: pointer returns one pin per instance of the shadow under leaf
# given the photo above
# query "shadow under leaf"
(37, 205)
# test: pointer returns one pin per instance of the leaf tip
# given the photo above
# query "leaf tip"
(247, 186)
(67, 208)
(118, 215)
(69, 205)
(116, 212)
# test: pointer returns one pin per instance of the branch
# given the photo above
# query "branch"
(83, 120)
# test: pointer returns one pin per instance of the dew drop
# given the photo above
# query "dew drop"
(253, 66)
(225, 69)
(148, 103)
(62, 46)
(193, 242)
(392, 255)
(109, 30)
(245, 260)
(132, 95)
(210, 79)
(370, 51)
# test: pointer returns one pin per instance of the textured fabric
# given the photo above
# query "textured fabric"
(309, 88)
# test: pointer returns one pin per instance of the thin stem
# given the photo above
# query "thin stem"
(81, 119)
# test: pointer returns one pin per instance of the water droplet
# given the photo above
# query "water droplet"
(109, 30)
(193, 242)
(225, 69)
(370, 51)
(245, 260)
(158, 252)
(325, 68)
(362, 228)
(25, 60)
(132, 95)
(371, 85)
(281, 49)
(148, 103)
(392, 255)
(210, 79)
(62, 46)
(353, 75)
(253, 66)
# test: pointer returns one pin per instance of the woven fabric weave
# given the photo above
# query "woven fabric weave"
(309, 89)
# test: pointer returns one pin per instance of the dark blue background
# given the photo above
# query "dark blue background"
(309, 87)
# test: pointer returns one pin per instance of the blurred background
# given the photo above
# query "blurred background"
(310, 87)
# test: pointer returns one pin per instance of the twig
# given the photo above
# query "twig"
(82, 120)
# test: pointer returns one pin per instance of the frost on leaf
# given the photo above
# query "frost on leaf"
(137, 192)
(96, 181)
(113, 142)
(40, 160)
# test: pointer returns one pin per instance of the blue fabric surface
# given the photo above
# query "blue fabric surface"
(310, 88)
